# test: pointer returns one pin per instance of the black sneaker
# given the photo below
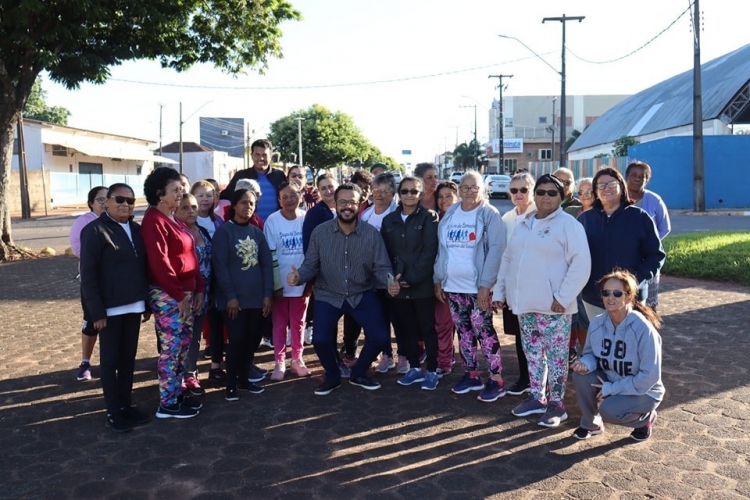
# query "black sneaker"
(326, 388)
(582, 433)
(175, 411)
(230, 394)
(520, 387)
(256, 374)
(118, 423)
(191, 403)
(643, 433)
(365, 383)
(135, 417)
(217, 375)
(250, 387)
(207, 352)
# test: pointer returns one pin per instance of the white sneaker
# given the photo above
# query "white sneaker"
(386, 363)
(403, 365)
(308, 335)
(278, 372)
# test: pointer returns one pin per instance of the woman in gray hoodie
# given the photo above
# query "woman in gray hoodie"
(618, 377)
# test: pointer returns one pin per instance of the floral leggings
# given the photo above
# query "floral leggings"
(475, 325)
(545, 340)
(174, 337)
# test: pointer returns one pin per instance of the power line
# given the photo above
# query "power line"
(639, 48)
(326, 85)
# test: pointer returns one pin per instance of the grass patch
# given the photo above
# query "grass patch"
(714, 256)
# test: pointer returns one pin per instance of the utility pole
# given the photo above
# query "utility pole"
(161, 114)
(500, 124)
(181, 122)
(699, 192)
(476, 145)
(299, 139)
(563, 111)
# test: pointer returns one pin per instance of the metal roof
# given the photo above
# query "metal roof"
(669, 104)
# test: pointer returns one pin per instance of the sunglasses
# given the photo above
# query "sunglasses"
(549, 192)
(413, 192)
(519, 190)
(616, 293)
(124, 199)
(585, 191)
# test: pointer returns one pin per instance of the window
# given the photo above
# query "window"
(545, 154)
(542, 120)
(58, 150)
(508, 122)
(568, 121)
(509, 165)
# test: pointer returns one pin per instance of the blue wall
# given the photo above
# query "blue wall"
(726, 167)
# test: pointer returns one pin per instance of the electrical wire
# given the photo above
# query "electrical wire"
(636, 50)
(325, 85)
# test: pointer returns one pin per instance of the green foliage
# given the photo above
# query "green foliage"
(463, 155)
(601, 155)
(37, 109)
(621, 145)
(574, 135)
(714, 256)
(329, 139)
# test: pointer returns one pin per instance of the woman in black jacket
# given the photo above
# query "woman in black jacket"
(411, 238)
(115, 287)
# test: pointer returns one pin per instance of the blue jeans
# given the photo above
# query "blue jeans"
(367, 313)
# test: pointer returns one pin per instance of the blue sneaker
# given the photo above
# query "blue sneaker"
(468, 383)
(430, 381)
(344, 370)
(413, 376)
(492, 391)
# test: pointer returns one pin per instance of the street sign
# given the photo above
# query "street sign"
(406, 151)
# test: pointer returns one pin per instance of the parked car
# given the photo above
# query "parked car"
(396, 176)
(497, 185)
(456, 177)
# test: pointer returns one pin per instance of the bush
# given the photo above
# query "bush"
(714, 256)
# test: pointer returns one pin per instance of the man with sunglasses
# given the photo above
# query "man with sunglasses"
(570, 204)
(348, 261)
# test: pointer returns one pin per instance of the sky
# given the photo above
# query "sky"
(403, 69)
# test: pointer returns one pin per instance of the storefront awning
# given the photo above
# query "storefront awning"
(103, 147)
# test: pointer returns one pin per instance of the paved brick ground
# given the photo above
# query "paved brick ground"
(399, 442)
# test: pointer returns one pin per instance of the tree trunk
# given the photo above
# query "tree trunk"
(8, 120)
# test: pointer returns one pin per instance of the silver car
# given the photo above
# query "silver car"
(497, 185)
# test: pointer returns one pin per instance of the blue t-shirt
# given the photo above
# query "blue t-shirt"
(267, 204)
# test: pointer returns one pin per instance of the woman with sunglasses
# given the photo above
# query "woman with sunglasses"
(472, 240)
(309, 196)
(618, 377)
(115, 288)
(410, 235)
(620, 235)
(97, 202)
(543, 269)
(521, 195)
(585, 192)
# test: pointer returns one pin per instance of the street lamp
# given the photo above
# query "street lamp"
(299, 139)
(182, 122)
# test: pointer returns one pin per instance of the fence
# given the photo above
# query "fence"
(71, 189)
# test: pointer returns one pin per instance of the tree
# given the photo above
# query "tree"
(75, 42)
(463, 155)
(37, 109)
(329, 139)
(622, 144)
(575, 134)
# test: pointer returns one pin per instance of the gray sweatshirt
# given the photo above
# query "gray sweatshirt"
(629, 355)
(242, 266)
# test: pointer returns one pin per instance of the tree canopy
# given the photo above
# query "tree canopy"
(622, 144)
(78, 41)
(37, 108)
(464, 154)
(329, 139)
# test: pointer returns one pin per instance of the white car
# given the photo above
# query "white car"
(497, 185)
(456, 177)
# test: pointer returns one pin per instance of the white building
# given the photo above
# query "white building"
(200, 162)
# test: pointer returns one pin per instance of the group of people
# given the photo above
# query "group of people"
(425, 258)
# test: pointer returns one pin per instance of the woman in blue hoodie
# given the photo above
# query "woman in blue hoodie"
(618, 377)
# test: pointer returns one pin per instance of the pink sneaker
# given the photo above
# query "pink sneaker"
(192, 385)
(299, 368)
(278, 371)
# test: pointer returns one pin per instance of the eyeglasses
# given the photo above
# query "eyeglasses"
(413, 192)
(381, 191)
(101, 200)
(604, 185)
(466, 189)
(616, 293)
(124, 199)
(295, 176)
(567, 183)
(519, 190)
(585, 191)
(549, 192)
(347, 203)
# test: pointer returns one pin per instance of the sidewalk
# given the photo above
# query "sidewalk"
(395, 443)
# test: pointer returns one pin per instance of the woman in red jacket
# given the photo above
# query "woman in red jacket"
(175, 287)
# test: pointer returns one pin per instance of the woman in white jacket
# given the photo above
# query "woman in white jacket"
(545, 266)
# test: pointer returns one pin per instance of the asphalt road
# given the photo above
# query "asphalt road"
(53, 231)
